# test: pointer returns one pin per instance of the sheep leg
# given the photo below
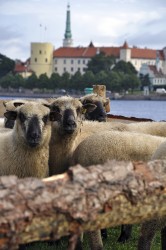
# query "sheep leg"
(148, 230)
(125, 233)
(104, 233)
(163, 238)
(95, 240)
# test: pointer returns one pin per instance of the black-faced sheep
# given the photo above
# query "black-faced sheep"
(99, 114)
(71, 129)
(11, 105)
(24, 151)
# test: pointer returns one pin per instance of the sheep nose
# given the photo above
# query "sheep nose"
(70, 122)
(34, 135)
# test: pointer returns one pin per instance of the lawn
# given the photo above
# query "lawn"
(109, 244)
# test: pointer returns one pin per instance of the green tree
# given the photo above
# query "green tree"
(130, 81)
(31, 82)
(88, 80)
(76, 81)
(145, 80)
(125, 67)
(100, 62)
(13, 81)
(43, 81)
(6, 65)
(55, 81)
(65, 81)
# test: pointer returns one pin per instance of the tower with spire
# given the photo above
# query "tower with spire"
(67, 41)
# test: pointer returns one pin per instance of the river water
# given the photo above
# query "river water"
(155, 110)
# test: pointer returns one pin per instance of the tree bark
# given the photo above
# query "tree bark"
(82, 199)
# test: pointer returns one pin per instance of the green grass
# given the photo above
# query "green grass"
(109, 244)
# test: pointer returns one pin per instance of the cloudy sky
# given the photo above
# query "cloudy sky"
(105, 22)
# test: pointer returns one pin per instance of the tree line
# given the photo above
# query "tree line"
(101, 69)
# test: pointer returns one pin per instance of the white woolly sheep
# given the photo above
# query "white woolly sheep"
(24, 151)
(152, 128)
(98, 148)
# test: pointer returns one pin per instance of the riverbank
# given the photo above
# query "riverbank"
(112, 96)
(151, 97)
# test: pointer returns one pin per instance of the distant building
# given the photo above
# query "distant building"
(23, 69)
(44, 59)
(41, 60)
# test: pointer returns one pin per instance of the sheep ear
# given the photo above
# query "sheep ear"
(17, 104)
(55, 116)
(46, 105)
(89, 107)
(11, 115)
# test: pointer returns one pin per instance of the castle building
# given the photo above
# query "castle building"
(45, 59)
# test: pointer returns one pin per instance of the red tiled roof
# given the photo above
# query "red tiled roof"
(125, 45)
(145, 53)
(21, 68)
(88, 52)
(155, 71)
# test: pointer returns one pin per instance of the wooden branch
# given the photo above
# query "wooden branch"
(82, 199)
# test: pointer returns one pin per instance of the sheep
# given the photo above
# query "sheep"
(149, 228)
(152, 128)
(11, 105)
(99, 114)
(24, 150)
(98, 148)
(70, 130)
(115, 145)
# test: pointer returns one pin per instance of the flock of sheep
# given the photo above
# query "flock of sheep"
(40, 138)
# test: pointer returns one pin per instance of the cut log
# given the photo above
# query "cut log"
(82, 199)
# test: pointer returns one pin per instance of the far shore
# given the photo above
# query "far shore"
(112, 96)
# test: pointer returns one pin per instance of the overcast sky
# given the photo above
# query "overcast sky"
(105, 22)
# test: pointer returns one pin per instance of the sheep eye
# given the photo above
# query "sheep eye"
(22, 117)
(45, 119)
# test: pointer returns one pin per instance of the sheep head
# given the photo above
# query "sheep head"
(72, 112)
(32, 126)
(99, 114)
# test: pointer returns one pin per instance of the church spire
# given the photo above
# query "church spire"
(67, 41)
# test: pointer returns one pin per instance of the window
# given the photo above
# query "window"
(83, 61)
(78, 61)
(40, 52)
(35, 59)
(56, 69)
(72, 69)
(46, 60)
(78, 69)
(64, 61)
(64, 69)
(55, 61)
(72, 61)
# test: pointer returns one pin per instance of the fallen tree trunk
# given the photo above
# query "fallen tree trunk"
(82, 199)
